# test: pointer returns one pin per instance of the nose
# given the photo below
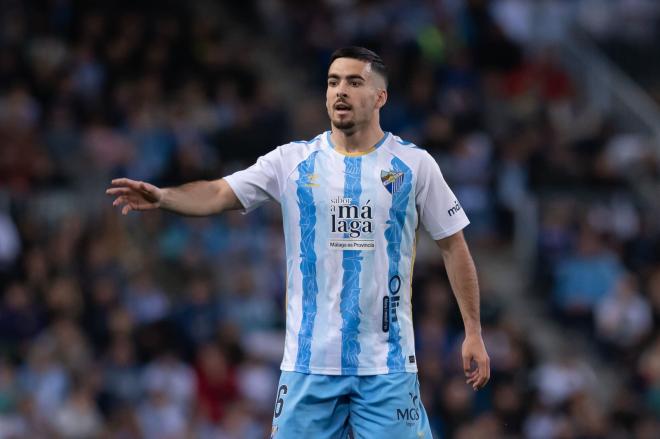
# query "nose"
(341, 90)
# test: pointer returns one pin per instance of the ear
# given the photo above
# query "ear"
(381, 99)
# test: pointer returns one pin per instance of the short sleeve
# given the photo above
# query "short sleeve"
(258, 183)
(439, 211)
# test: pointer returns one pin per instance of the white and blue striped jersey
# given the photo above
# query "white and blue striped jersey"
(350, 226)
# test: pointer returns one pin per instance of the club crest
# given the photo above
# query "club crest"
(391, 180)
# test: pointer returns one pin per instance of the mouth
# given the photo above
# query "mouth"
(342, 108)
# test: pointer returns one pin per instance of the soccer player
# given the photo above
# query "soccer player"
(352, 199)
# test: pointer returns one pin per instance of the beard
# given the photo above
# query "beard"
(344, 125)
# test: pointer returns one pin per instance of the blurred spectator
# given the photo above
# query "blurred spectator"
(247, 309)
(77, 417)
(170, 381)
(161, 418)
(457, 406)
(256, 382)
(44, 380)
(104, 296)
(121, 375)
(200, 313)
(9, 400)
(590, 421)
(559, 381)
(64, 298)
(144, 300)
(649, 370)
(239, 423)
(508, 405)
(585, 277)
(623, 318)
(654, 295)
(68, 344)
(10, 244)
(217, 386)
(543, 423)
(20, 317)
(485, 425)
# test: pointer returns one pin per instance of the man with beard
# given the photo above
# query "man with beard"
(351, 199)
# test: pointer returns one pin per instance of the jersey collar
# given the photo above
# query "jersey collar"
(357, 154)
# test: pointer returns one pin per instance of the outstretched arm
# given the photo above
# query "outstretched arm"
(199, 198)
(463, 278)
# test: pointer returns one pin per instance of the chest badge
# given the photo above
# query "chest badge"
(391, 180)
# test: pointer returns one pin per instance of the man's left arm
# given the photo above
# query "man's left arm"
(463, 279)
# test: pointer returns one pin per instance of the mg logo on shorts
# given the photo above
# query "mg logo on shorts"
(409, 415)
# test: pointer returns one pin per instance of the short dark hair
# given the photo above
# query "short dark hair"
(362, 54)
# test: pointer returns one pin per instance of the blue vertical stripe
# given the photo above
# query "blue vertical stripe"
(307, 261)
(394, 235)
(371, 353)
(350, 290)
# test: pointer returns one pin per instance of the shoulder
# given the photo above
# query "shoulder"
(404, 143)
(408, 152)
(285, 158)
(298, 150)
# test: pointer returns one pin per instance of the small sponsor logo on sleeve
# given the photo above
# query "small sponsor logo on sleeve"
(454, 209)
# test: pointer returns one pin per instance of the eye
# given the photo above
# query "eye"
(355, 83)
(332, 83)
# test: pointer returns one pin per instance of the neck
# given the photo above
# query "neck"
(359, 141)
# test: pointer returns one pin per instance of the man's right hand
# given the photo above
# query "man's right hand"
(135, 195)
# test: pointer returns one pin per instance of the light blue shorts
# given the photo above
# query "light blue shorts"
(328, 406)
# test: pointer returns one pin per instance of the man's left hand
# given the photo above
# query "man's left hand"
(474, 350)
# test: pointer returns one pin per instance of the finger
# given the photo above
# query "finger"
(137, 204)
(484, 370)
(476, 379)
(119, 200)
(118, 191)
(480, 384)
(476, 382)
(466, 364)
(126, 209)
(484, 377)
(120, 181)
(126, 182)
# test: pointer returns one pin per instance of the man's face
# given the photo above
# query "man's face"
(354, 95)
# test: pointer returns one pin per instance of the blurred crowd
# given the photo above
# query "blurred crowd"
(159, 326)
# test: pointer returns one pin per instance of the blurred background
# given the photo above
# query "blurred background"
(543, 116)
